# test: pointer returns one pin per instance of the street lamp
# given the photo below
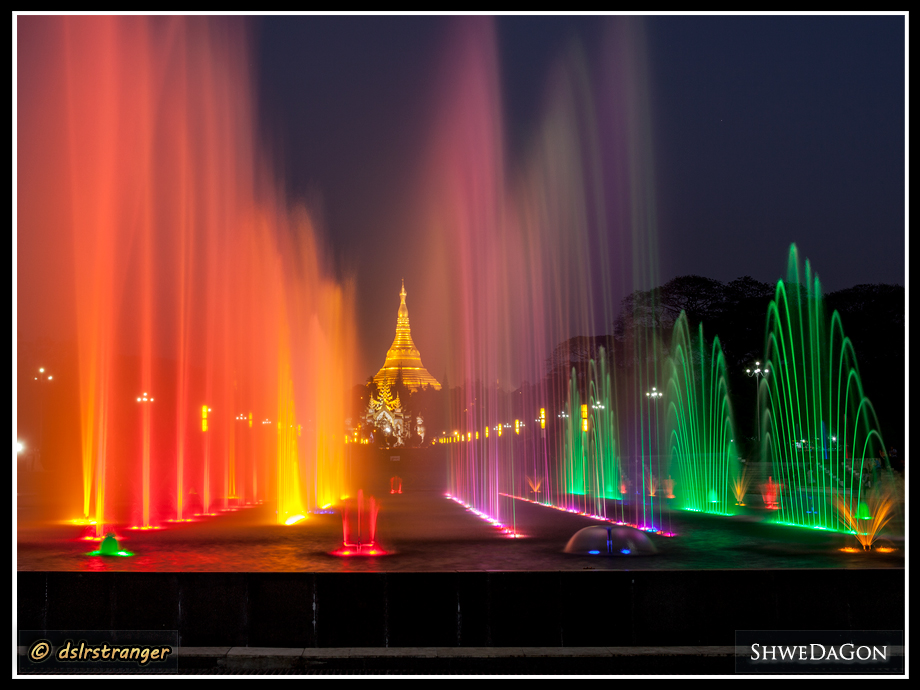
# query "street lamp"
(756, 373)
(42, 377)
(653, 396)
(145, 401)
(244, 453)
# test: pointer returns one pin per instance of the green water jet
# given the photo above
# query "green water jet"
(700, 423)
(821, 432)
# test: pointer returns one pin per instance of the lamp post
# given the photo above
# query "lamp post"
(42, 378)
(233, 464)
(563, 445)
(206, 479)
(145, 401)
(653, 396)
(757, 373)
(266, 453)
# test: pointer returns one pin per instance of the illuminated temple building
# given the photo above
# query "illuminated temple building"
(403, 356)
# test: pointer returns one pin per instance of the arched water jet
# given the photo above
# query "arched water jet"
(700, 425)
(821, 433)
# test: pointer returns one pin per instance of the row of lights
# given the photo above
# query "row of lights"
(488, 518)
(653, 530)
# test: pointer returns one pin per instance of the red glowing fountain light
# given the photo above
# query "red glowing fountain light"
(359, 527)
(770, 493)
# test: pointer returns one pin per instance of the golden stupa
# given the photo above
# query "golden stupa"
(403, 355)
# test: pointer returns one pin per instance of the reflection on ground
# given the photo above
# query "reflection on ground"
(426, 532)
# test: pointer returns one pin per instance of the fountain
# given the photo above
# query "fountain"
(359, 527)
(233, 319)
(110, 547)
(819, 426)
(193, 282)
(871, 517)
(701, 429)
(770, 492)
(610, 540)
(535, 252)
(231, 309)
(740, 485)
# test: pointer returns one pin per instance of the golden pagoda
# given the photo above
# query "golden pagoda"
(403, 356)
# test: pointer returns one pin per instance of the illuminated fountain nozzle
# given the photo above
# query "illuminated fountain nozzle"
(359, 527)
(110, 547)
(770, 493)
(867, 519)
(611, 540)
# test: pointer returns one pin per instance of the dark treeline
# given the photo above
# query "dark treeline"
(736, 313)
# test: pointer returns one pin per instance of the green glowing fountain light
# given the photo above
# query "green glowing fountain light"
(700, 423)
(820, 429)
(591, 468)
(110, 547)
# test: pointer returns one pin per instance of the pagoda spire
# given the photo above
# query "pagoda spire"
(403, 356)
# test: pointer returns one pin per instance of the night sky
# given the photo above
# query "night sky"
(756, 132)
(764, 131)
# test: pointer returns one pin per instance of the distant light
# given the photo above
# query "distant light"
(20, 446)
